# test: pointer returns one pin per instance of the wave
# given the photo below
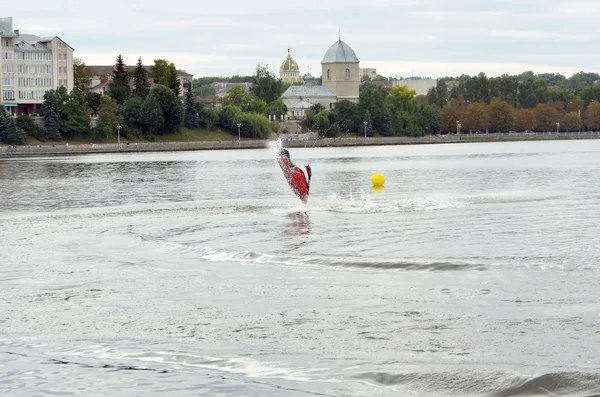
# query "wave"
(212, 255)
(491, 383)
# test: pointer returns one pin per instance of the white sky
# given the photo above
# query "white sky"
(398, 37)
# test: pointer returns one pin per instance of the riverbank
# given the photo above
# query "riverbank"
(64, 148)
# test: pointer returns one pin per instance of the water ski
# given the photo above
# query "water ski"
(294, 175)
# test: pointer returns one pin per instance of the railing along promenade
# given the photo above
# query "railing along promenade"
(60, 148)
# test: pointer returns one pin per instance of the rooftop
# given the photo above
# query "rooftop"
(340, 52)
(308, 91)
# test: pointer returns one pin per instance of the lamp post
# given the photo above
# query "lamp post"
(119, 136)
(579, 116)
(458, 129)
(239, 134)
(365, 123)
(557, 128)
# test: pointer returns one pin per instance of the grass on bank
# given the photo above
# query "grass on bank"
(185, 135)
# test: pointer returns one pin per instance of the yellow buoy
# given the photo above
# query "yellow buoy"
(378, 179)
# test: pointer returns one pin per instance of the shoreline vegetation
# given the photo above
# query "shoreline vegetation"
(193, 141)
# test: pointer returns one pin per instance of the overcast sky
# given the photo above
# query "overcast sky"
(398, 37)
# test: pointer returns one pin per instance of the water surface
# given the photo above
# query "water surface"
(473, 273)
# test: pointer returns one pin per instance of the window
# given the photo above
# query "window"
(347, 74)
(8, 81)
(7, 55)
(5, 44)
(8, 95)
(328, 74)
(7, 68)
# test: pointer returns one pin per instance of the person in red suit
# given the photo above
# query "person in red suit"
(295, 176)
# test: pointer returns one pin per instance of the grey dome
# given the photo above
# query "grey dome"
(340, 52)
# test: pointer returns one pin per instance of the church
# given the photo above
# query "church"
(340, 81)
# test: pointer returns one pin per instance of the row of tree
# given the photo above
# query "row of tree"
(501, 116)
(524, 91)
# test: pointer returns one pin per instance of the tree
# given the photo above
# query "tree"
(51, 111)
(109, 117)
(191, 114)
(12, 132)
(174, 84)
(476, 117)
(278, 107)
(28, 126)
(346, 115)
(321, 122)
(171, 107)
(387, 126)
(369, 125)
(592, 116)
(571, 122)
(161, 71)
(151, 114)
(119, 86)
(3, 125)
(131, 111)
(73, 117)
(82, 75)
(502, 117)
(546, 117)
(265, 85)
(140, 80)
(93, 101)
(525, 120)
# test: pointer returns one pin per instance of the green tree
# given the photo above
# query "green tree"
(93, 101)
(140, 80)
(27, 125)
(171, 107)
(12, 132)
(73, 116)
(3, 125)
(109, 117)
(131, 111)
(278, 107)
(151, 114)
(369, 125)
(321, 122)
(387, 126)
(590, 93)
(191, 113)
(82, 75)
(265, 85)
(51, 110)
(347, 116)
(161, 71)
(119, 86)
(174, 84)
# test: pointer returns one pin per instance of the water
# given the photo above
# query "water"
(473, 273)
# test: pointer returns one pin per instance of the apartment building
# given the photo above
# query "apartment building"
(30, 66)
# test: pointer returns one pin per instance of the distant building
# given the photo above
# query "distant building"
(419, 84)
(369, 72)
(30, 66)
(340, 81)
(289, 70)
(101, 77)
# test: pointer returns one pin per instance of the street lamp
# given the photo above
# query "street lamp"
(239, 134)
(458, 129)
(557, 127)
(579, 115)
(119, 136)
(365, 123)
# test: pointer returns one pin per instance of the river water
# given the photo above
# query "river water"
(474, 272)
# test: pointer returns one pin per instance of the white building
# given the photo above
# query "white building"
(30, 66)
(419, 84)
(369, 72)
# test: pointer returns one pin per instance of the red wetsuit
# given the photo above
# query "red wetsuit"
(295, 177)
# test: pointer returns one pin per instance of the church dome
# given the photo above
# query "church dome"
(340, 52)
(289, 65)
